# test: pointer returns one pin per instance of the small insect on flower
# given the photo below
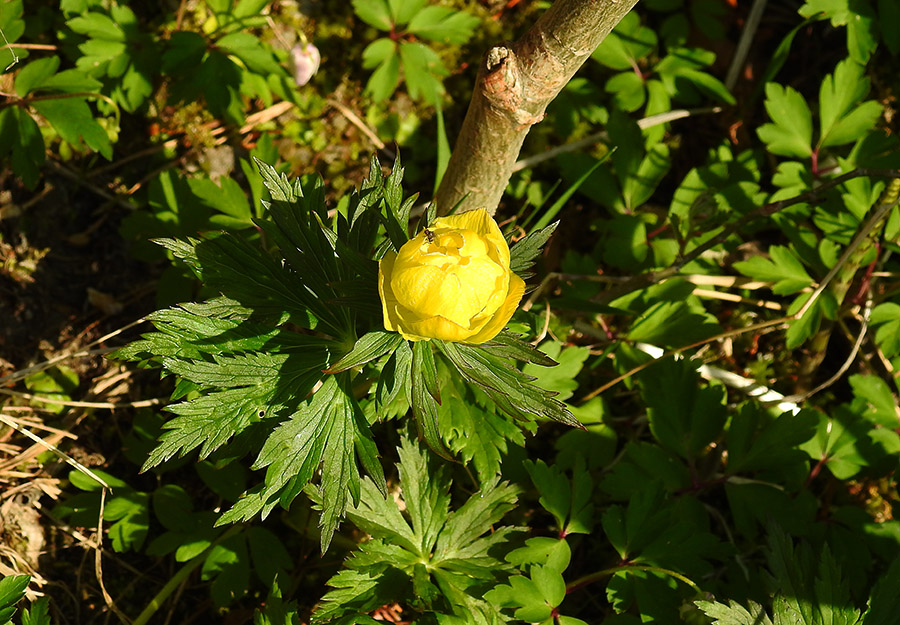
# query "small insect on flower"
(429, 235)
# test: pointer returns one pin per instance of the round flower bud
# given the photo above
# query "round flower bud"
(450, 282)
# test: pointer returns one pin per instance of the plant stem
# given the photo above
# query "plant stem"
(515, 84)
(594, 577)
(182, 573)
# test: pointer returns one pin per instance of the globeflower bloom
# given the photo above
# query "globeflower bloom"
(450, 282)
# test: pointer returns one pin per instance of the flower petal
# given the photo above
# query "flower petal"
(504, 313)
(481, 223)
(388, 299)
(436, 327)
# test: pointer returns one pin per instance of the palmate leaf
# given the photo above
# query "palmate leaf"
(473, 428)
(242, 272)
(325, 431)
(297, 228)
(222, 357)
(842, 117)
(790, 133)
(369, 347)
(458, 554)
(684, 416)
(784, 269)
(523, 254)
(804, 591)
(511, 389)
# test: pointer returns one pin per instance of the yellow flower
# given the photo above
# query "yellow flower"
(451, 282)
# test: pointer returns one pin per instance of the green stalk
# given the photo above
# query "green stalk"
(593, 577)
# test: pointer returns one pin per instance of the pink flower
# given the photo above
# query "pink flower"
(304, 61)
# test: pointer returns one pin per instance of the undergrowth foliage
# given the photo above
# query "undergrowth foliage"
(692, 417)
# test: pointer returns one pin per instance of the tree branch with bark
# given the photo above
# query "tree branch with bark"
(515, 84)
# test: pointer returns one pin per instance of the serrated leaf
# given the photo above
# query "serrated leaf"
(784, 269)
(884, 603)
(508, 387)
(886, 318)
(734, 613)
(12, 589)
(423, 402)
(323, 431)
(790, 133)
(568, 501)
(523, 255)
(842, 119)
(376, 13)
(627, 43)
(369, 347)
(388, 568)
(508, 344)
(443, 24)
(474, 431)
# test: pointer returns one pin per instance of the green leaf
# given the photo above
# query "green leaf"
(376, 13)
(549, 552)
(684, 417)
(790, 133)
(96, 25)
(784, 269)
(859, 19)
(322, 432)
(12, 589)
(734, 613)
(403, 10)
(628, 42)
(34, 74)
(836, 443)
(508, 387)
(560, 376)
(422, 71)
(371, 346)
(227, 197)
(255, 55)
(842, 118)
(383, 81)
(388, 568)
(73, 120)
(756, 442)
(886, 317)
(425, 396)
(672, 324)
(523, 255)
(569, 502)
(884, 602)
(524, 595)
(443, 24)
(394, 380)
(472, 429)
(507, 344)
(21, 139)
(37, 614)
(880, 406)
(707, 84)
(628, 89)
(131, 513)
